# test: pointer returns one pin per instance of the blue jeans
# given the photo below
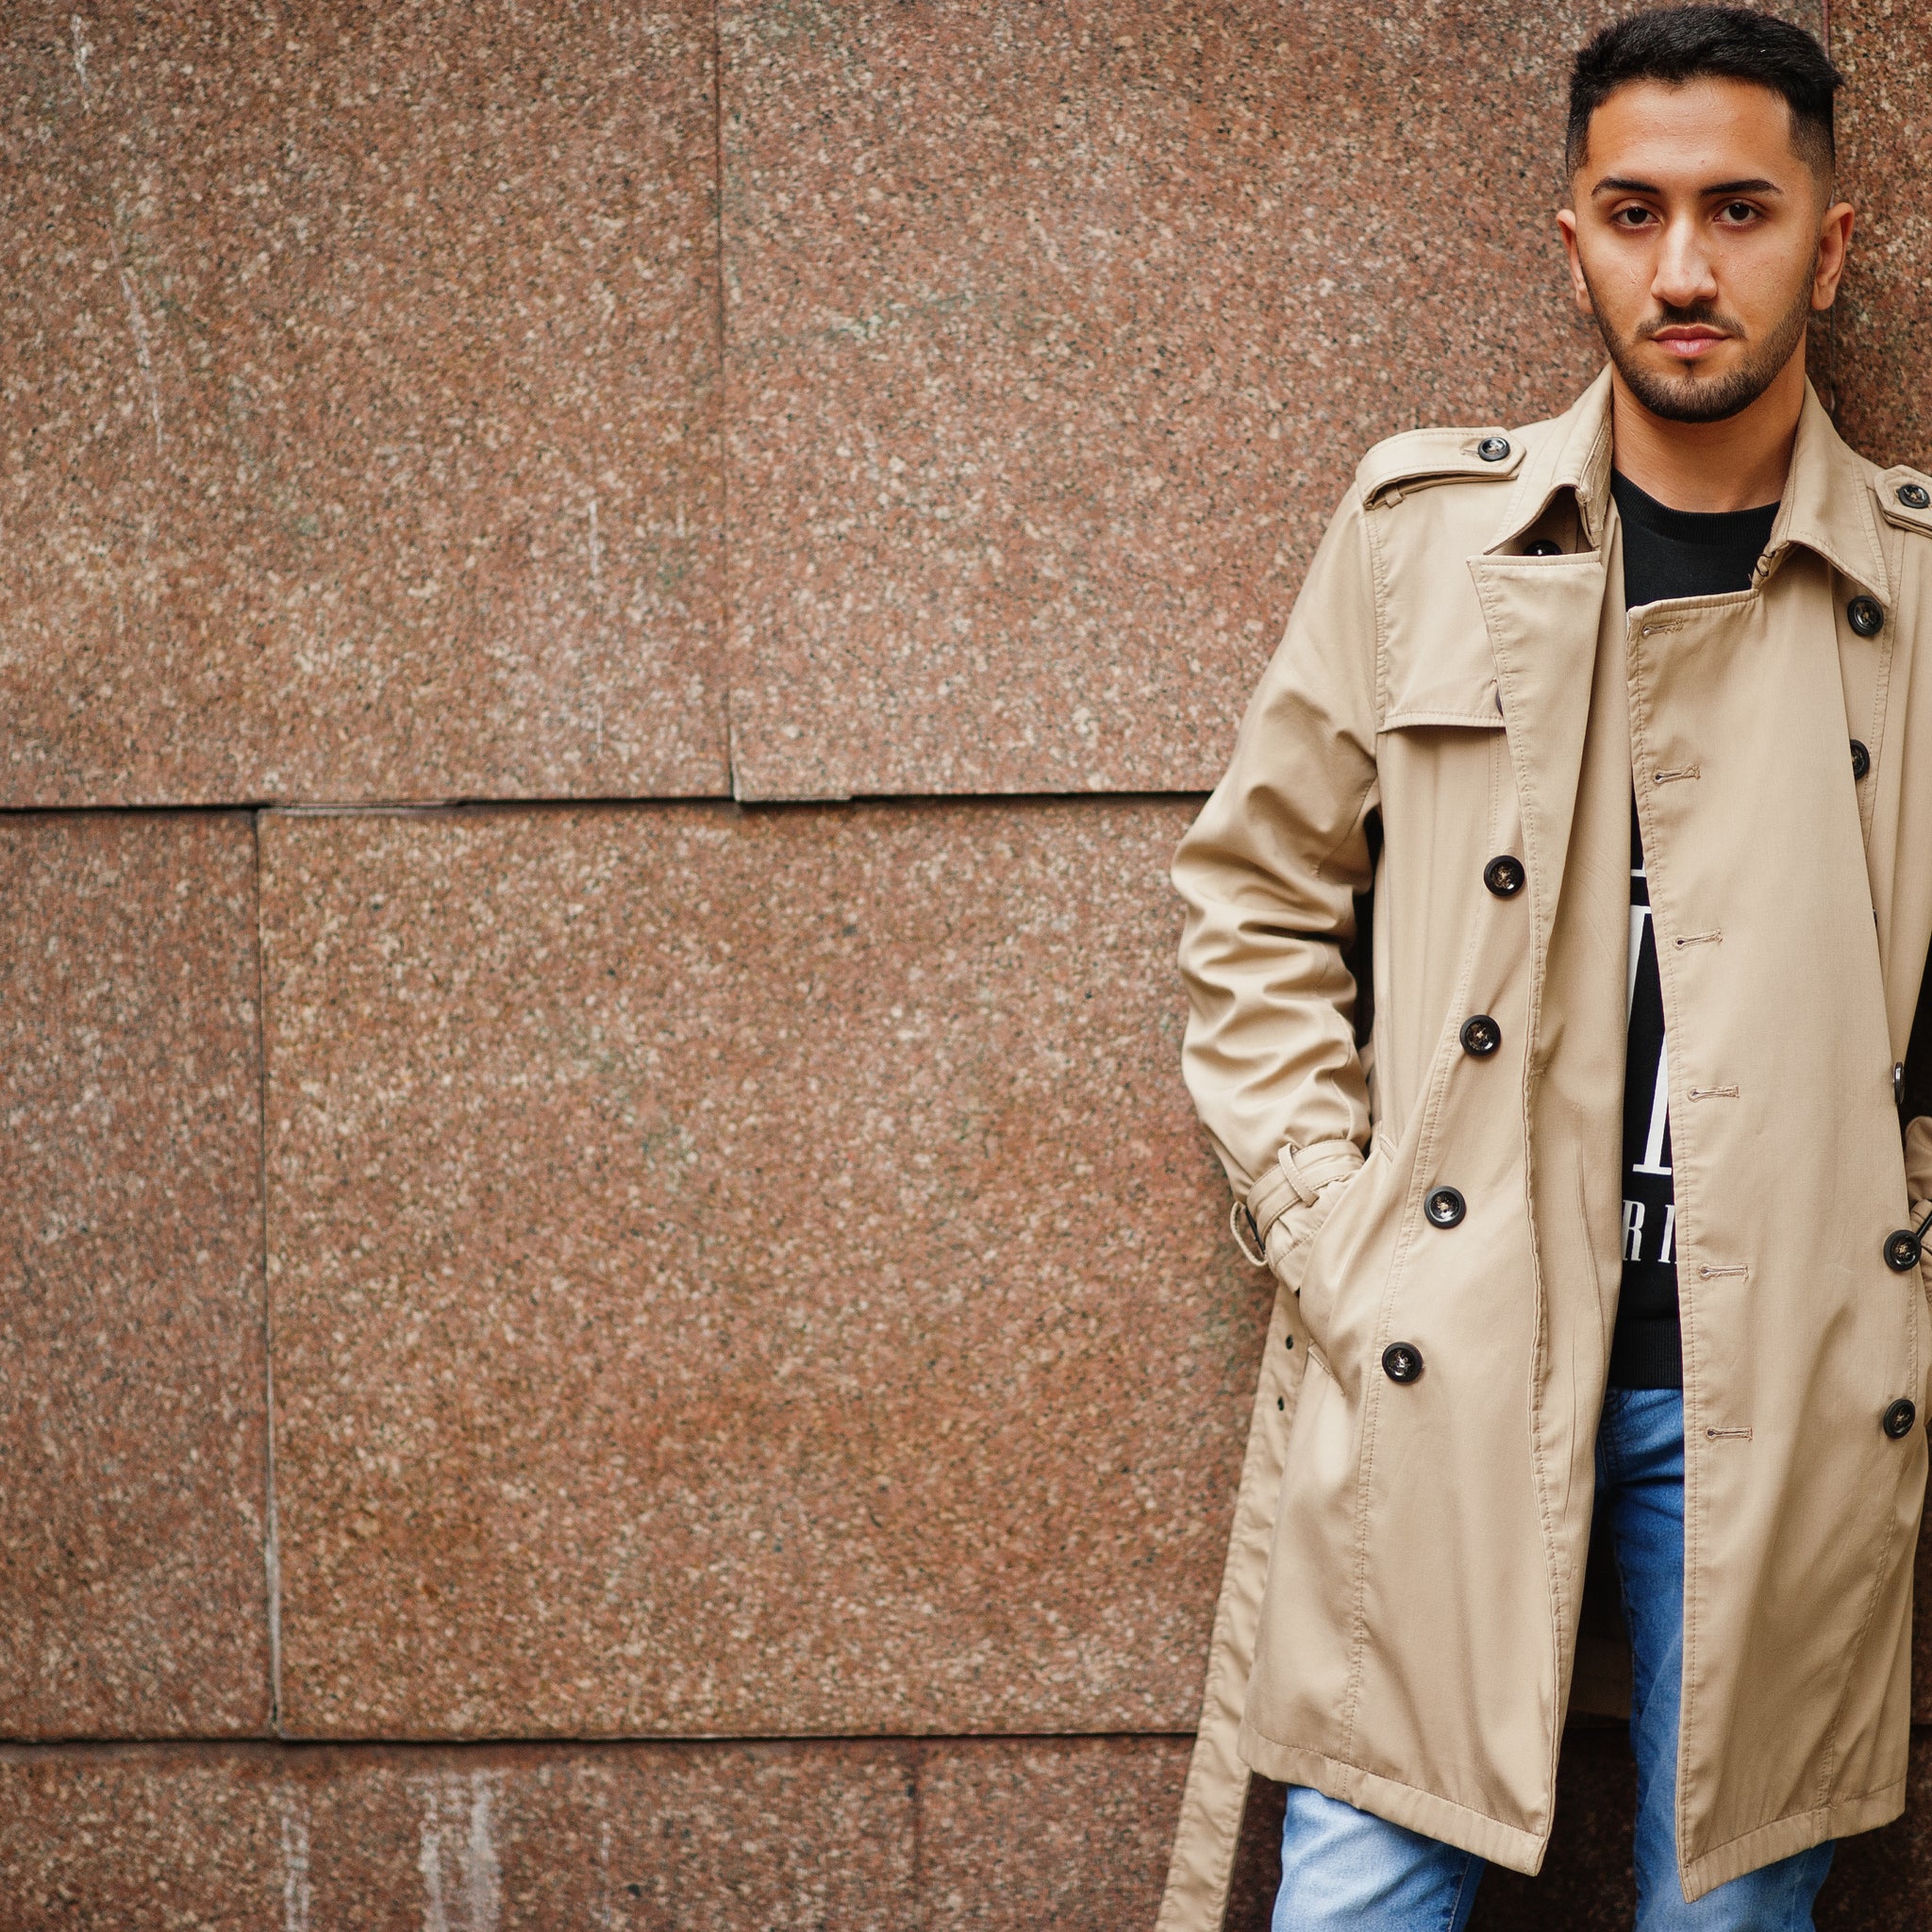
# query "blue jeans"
(1343, 1868)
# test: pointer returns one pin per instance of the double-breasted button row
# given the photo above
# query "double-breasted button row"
(1861, 759)
(1480, 1036)
(1903, 1247)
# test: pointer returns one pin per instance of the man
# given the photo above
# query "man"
(1606, 1217)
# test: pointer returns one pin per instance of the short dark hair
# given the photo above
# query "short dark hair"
(1679, 43)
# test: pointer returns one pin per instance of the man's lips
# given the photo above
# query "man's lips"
(1688, 344)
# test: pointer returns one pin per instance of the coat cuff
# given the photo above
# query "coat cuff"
(1298, 1174)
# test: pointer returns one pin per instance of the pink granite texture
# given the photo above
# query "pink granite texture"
(1883, 319)
(133, 1450)
(660, 1838)
(1072, 1833)
(742, 1273)
(1053, 337)
(359, 396)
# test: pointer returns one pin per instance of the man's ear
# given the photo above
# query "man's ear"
(1834, 241)
(1579, 288)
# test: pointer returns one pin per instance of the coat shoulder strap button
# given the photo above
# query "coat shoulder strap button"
(1896, 1422)
(1542, 547)
(1402, 1362)
(1493, 449)
(1445, 1206)
(1861, 759)
(1904, 500)
(1504, 875)
(1902, 1251)
(1866, 618)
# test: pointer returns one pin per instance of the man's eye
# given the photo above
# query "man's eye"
(1631, 217)
(1739, 211)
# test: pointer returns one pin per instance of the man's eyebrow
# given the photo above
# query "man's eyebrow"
(1625, 184)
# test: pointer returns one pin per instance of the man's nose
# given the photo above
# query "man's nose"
(1684, 278)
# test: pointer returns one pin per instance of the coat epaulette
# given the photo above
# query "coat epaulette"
(1904, 497)
(1438, 455)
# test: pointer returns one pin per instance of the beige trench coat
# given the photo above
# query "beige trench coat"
(1399, 1620)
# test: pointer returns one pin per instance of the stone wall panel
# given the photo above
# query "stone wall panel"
(133, 1451)
(359, 392)
(742, 1272)
(1882, 329)
(1053, 337)
(722, 1839)
(1017, 1834)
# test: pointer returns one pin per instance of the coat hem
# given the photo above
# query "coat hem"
(1508, 1845)
(1785, 1837)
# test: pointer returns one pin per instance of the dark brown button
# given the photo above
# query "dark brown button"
(1902, 1251)
(1543, 547)
(1867, 619)
(1493, 449)
(1445, 1206)
(1504, 876)
(1913, 496)
(1896, 1422)
(1861, 759)
(1480, 1036)
(1402, 1362)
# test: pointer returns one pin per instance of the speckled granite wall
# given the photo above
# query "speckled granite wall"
(619, 1352)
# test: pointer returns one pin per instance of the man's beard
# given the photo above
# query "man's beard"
(1690, 398)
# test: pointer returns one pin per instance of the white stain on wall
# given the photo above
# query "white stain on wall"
(456, 1852)
(296, 1898)
(139, 323)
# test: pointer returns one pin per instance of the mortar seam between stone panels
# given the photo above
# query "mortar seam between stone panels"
(557, 1744)
(688, 801)
(272, 1538)
(915, 1754)
(726, 652)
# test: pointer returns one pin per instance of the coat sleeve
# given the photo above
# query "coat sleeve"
(1268, 873)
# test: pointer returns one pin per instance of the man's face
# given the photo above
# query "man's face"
(1701, 241)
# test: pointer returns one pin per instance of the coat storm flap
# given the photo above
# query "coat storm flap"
(1399, 1620)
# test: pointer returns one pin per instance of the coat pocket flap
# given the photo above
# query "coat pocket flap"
(1437, 667)
(1451, 697)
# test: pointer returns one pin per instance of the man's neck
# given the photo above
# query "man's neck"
(1737, 463)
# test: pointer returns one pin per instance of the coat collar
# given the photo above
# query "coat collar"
(1826, 505)
(1574, 456)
